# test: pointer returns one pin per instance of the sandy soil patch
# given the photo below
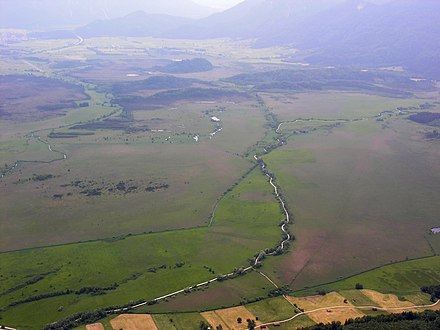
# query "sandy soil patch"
(95, 326)
(133, 322)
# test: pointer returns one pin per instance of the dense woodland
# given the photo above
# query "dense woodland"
(428, 118)
(186, 66)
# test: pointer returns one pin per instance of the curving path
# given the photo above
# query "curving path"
(349, 307)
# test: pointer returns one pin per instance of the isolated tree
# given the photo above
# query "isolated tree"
(239, 320)
(204, 325)
(251, 324)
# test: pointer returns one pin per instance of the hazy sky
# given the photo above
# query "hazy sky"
(223, 4)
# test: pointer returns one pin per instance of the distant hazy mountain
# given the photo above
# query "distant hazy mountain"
(401, 32)
(253, 18)
(42, 14)
(333, 32)
(339, 32)
(137, 24)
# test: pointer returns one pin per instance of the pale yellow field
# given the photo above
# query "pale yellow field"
(95, 326)
(228, 318)
(214, 320)
(334, 315)
(315, 302)
(386, 300)
(329, 315)
(397, 306)
(133, 322)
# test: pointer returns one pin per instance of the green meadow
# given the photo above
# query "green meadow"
(363, 195)
(246, 222)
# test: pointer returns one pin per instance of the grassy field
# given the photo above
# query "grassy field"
(217, 295)
(403, 278)
(194, 183)
(360, 193)
(246, 222)
(271, 309)
(332, 105)
(197, 174)
(178, 321)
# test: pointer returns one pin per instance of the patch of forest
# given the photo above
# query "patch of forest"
(386, 83)
(94, 188)
(427, 118)
(433, 290)
(68, 135)
(167, 98)
(186, 66)
(28, 97)
(153, 83)
(111, 123)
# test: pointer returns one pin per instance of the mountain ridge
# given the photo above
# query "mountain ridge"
(49, 14)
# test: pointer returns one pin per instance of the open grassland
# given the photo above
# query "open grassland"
(360, 193)
(116, 59)
(98, 107)
(332, 105)
(403, 279)
(145, 183)
(19, 138)
(189, 321)
(191, 182)
(242, 226)
(195, 175)
(272, 309)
